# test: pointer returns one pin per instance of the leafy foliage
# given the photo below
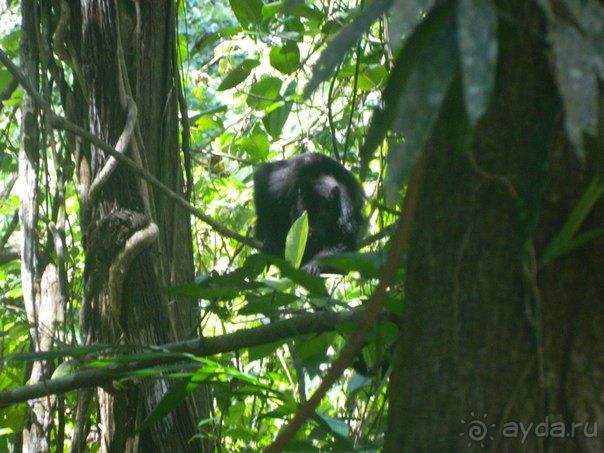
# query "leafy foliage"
(265, 80)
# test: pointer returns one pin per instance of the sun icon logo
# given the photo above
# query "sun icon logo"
(477, 430)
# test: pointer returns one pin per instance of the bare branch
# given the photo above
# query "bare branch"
(201, 347)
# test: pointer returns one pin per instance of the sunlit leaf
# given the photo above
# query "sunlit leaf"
(237, 75)
(261, 351)
(313, 348)
(66, 368)
(256, 144)
(344, 40)
(264, 93)
(247, 12)
(275, 119)
(5, 79)
(286, 58)
(272, 8)
(295, 244)
(210, 39)
(356, 383)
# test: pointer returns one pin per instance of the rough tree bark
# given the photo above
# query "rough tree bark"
(127, 67)
(40, 281)
(487, 336)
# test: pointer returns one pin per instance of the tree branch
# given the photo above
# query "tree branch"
(201, 347)
(60, 122)
(9, 254)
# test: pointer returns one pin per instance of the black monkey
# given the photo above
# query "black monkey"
(330, 194)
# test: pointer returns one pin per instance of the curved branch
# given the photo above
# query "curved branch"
(60, 122)
(138, 242)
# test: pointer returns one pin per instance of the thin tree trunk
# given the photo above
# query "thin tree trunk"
(489, 340)
(36, 431)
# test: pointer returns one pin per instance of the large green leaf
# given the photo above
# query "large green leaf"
(5, 79)
(255, 144)
(404, 16)
(275, 119)
(420, 104)
(264, 93)
(238, 74)
(247, 12)
(295, 244)
(405, 65)
(477, 41)
(369, 265)
(286, 58)
(210, 39)
(423, 73)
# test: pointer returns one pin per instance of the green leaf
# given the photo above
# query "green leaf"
(404, 16)
(336, 427)
(264, 93)
(356, 383)
(275, 119)
(369, 265)
(404, 66)
(295, 244)
(206, 123)
(238, 74)
(263, 350)
(372, 77)
(565, 240)
(423, 73)
(66, 368)
(477, 41)
(256, 144)
(210, 39)
(286, 58)
(314, 348)
(247, 12)
(271, 9)
(5, 79)
(344, 40)
(178, 392)
(314, 285)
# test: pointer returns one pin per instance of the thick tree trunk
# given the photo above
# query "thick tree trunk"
(142, 35)
(489, 340)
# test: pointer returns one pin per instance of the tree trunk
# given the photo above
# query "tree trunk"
(142, 36)
(489, 339)
(42, 306)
